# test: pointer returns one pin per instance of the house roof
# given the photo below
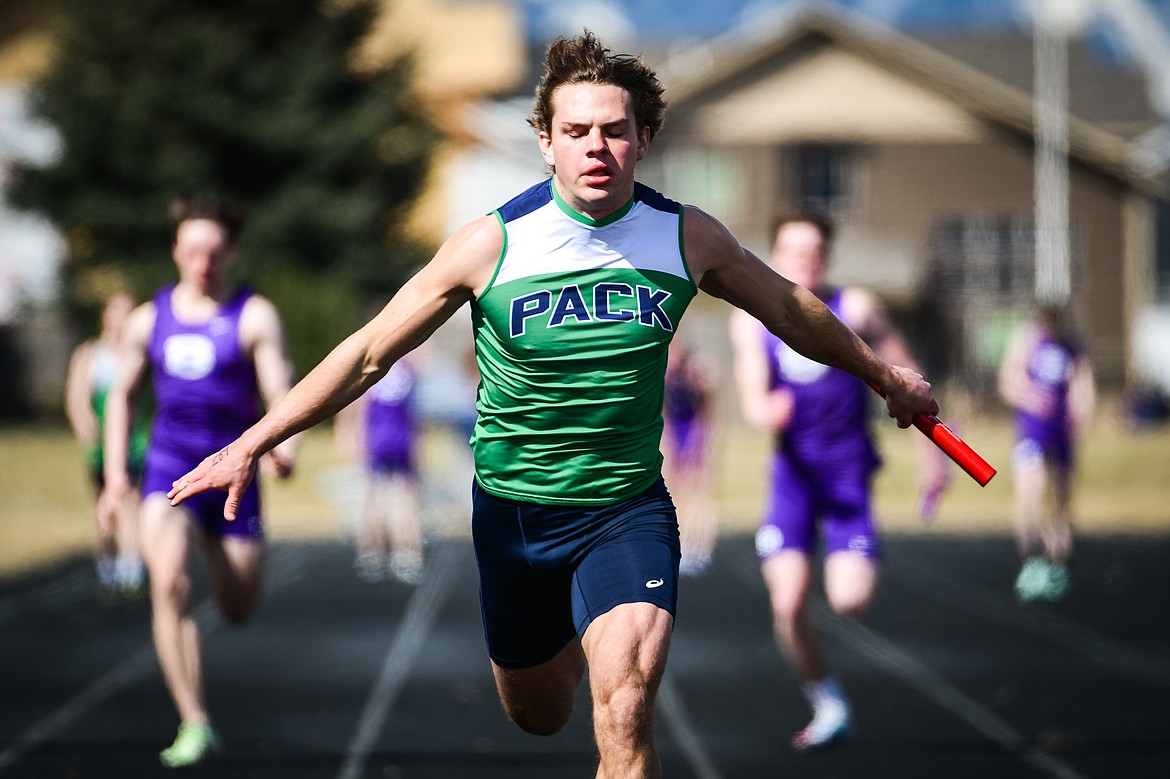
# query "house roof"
(987, 78)
(1109, 95)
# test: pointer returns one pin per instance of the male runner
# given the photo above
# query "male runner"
(1047, 379)
(213, 352)
(822, 467)
(576, 286)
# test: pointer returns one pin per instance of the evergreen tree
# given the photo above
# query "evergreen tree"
(256, 100)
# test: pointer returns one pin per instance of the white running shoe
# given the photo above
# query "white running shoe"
(830, 724)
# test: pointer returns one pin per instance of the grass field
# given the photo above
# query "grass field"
(1123, 485)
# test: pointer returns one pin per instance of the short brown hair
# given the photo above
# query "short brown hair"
(805, 216)
(212, 207)
(583, 59)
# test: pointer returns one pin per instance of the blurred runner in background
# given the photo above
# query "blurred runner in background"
(380, 430)
(92, 369)
(214, 354)
(1047, 379)
(822, 469)
(689, 414)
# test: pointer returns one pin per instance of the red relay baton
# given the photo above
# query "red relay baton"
(956, 448)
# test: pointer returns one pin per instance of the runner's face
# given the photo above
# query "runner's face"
(592, 146)
(202, 253)
(115, 314)
(799, 254)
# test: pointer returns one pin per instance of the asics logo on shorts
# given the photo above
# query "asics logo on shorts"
(653, 583)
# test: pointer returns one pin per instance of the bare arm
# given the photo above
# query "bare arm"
(263, 337)
(132, 368)
(762, 407)
(1082, 395)
(78, 389)
(1016, 389)
(460, 269)
(726, 270)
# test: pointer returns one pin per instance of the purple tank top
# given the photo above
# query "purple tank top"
(829, 419)
(1050, 366)
(389, 414)
(204, 384)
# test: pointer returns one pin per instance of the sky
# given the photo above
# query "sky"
(628, 22)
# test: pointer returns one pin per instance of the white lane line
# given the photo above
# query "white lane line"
(682, 728)
(996, 606)
(122, 676)
(934, 687)
(918, 676)
(420, 617)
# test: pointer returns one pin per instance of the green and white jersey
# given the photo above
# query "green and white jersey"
(571, 336)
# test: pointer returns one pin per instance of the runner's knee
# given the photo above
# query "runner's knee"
(540, 699)
(851, 604)
(624, 714)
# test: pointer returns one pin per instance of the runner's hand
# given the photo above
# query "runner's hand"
(231, 469)
(907, 395)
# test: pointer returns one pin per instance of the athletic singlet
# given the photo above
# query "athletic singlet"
(103, 368)
(390, 415)
(829, 406)
(571, 337)
(1050, 366)
(204, 383)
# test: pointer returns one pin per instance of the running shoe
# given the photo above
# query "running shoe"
(406, 566)
(1032, 581)
(1055, 582)
(194, 744)
(370, 567)
(693, 564)
(830, 726)
(132, 590)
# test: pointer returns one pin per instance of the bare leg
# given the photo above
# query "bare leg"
(129, 532)
(371, 530)
(237, 571)
(166, 543)
(788, 576)
(627, 649)
(405, 522)
(1031, 488)
(540, 699)
(1058, 531)
(850, 581)
(698, 517)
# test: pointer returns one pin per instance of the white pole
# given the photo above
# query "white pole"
(1054, 20)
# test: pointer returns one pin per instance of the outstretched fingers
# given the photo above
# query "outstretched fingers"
(216, 472)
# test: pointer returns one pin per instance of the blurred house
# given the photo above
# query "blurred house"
(922, 151)
(465, 51)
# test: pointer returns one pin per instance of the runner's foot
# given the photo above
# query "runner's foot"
(194, 744)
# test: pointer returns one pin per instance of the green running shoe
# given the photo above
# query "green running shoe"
(1032, 581)
(193, 745)
(1055, 582)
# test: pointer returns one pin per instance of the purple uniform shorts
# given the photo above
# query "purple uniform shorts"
(833, 498)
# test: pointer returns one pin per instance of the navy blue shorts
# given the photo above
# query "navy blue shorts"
(546, 572)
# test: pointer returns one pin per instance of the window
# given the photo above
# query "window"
(825, 178)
